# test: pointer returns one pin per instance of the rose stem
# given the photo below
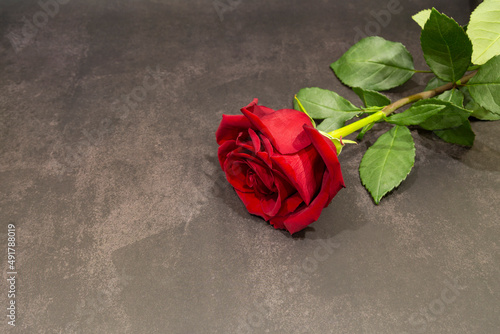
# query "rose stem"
(387, 110)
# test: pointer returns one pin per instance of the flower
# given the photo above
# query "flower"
(282, 168)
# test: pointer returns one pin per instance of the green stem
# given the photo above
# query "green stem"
(355, 126)
(389, 109)
(421, 71)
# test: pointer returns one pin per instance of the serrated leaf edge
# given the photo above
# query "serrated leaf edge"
(377, 200)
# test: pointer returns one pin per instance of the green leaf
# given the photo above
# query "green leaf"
(447, 49)
(434, 83)
(484, 31)
(322, 103)
(481, 113)
(387, 162)
(416, 114)
(454, 96)
(431, 114)
(422, 17)
(449, 117)
(326, 105)
(484, 87)
(477, 111)
(374, 63)
(371, 98)
(333, 123)
(461, 135)
(301, 108)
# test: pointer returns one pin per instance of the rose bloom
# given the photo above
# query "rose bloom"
(281, 167)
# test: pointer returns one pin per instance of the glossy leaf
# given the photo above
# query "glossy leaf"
(371, 98)
(481, 113)
(431, 114)
(454, 96)
(416, 114)
(476, 110)
(301, 108)
(484, 31)
(461, 135)
(374, 63)
(387, 162)
(326, 105)
(322, 103)
(447, 49)
(484, 87)
(334, 123)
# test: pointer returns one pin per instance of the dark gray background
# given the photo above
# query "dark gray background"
(126, 225)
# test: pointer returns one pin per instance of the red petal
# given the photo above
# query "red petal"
(271, 204)
(255, 140)
(230, 127)
(226, 148)
(331, 184)
(290, 204)
(283, 184)
(236, 171)
(304, 170)
(252, 203)
(268, 152)
(310, 213)
(264, 174)
(284, 128)
(328, 152)
(258, 110)
(243, 141)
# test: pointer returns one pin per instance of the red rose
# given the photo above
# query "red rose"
(281, 167)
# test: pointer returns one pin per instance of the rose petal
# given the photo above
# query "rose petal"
(328, 152)
(332, 182)
(236, 171)
(260, 111)
(268, 152)
(283, 184)
(271, 204)
(284, 128)
(246, 156)
(230, 127)
(252, 204)
(243, 141)
(224, 150)
(290, 204)
(264, 173)
(282, 168)
(255, 140)
(304, 170)
(307, 214)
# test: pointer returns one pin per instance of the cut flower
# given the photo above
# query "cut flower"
(282, 168)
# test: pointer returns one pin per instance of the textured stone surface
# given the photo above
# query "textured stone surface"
(126, 225)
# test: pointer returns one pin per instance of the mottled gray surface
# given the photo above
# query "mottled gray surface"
(126, 225)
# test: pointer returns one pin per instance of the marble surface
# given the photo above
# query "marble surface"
(125, 223)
